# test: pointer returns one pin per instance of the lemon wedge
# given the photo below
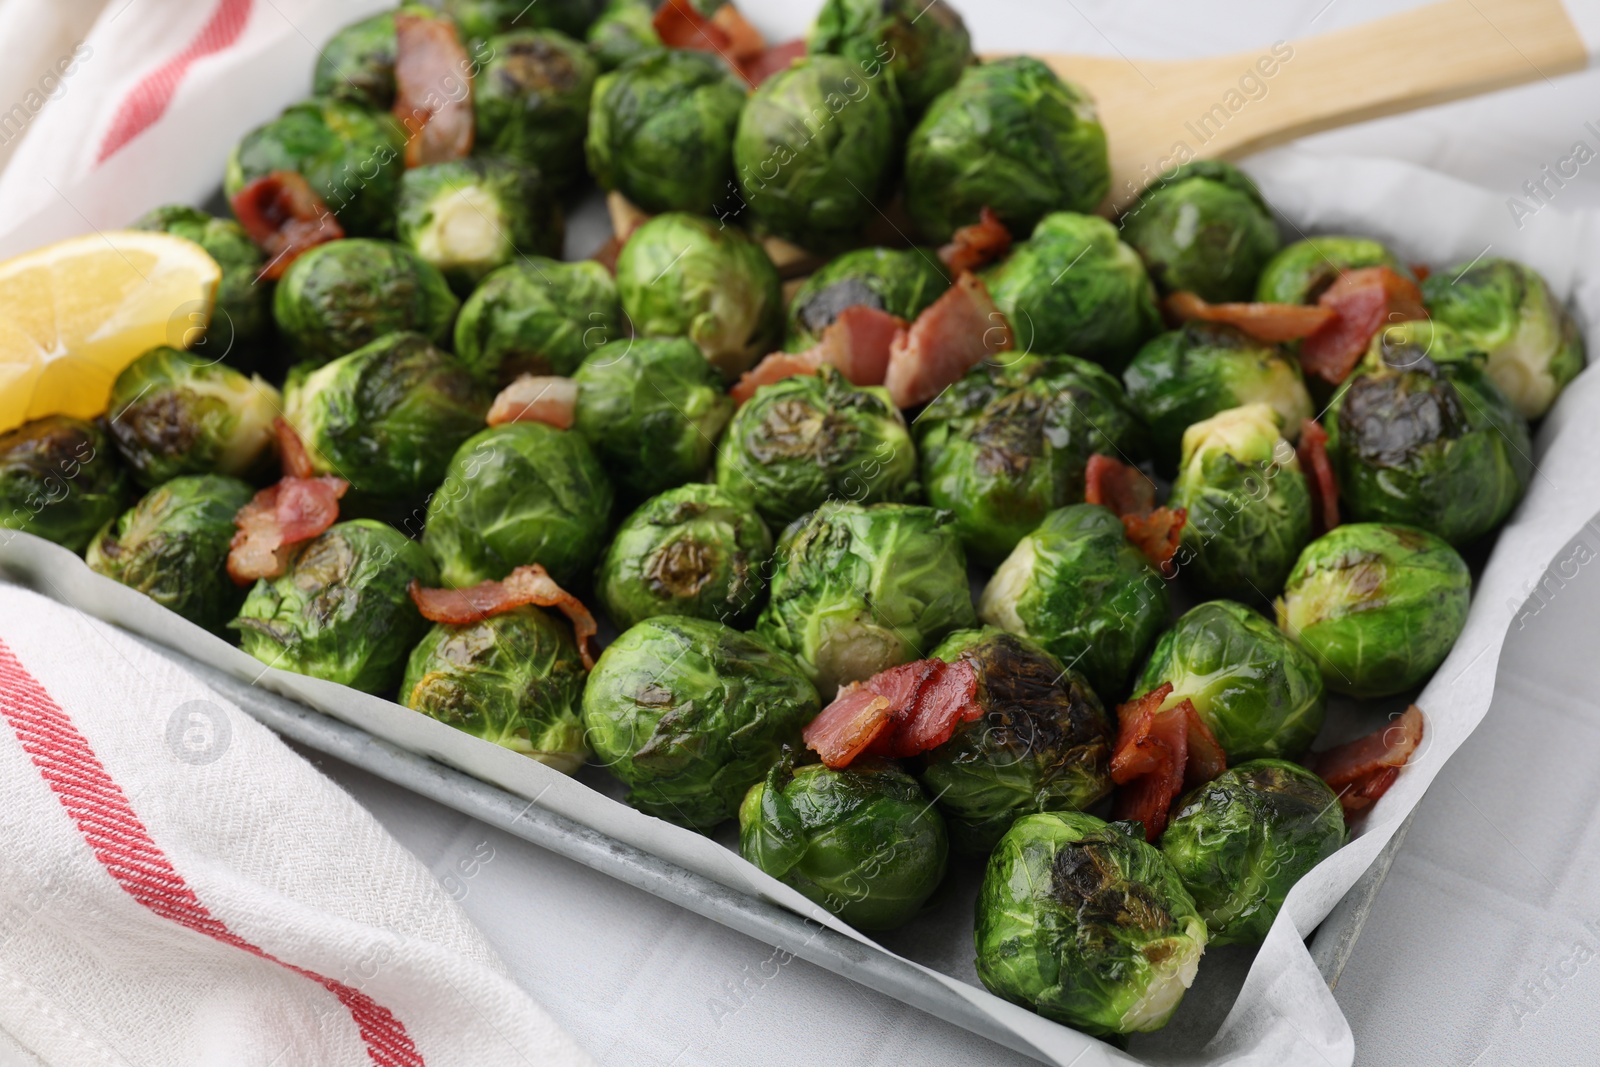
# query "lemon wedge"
(75, 313)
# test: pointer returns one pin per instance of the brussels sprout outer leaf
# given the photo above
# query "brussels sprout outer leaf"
(1205, 228)
(60, 479)
(925, 45)
(537, 316)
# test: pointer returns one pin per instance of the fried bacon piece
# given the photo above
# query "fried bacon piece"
(899, 712)
(284, 215)
(727, 34)
(433, 93)
(1313, 453)
(1159, 753)
(758, 69)
(1362, 770)
(856, 344)
(296, 509)
(533, 398)
(952, 335)
(1273, 323)
(1130, 493)
(977, 245)
(744, 40)
(528, 584)
(1363, 302)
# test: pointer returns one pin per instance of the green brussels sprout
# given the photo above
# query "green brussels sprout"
(469, 216)
(681, 275)
(352, 158)
(625, 29)
(172, 415)
(357, 63)
(60, 480)
(1205, 229)
(859, 589)
(537, 316)
(531, 102)
(344, 294)
(690, 713)
(514, 679)
(1086, 924)
(693, 550)
(803, 440)
(1009, 442)
(925, 45)
(1506, 309)
(1377, 607)
(1010, 136)
(864, 842)
(1043, 743)
(1074, 288)
(815, 150)
(516, 494)
(243, 305)
(387, 417)
(1248, 502)
(1420, 435)
(1187, 375)
(1302, 271)
(340, 612)
(481, 19)
(1081, 591)
(172, 546)
(1259, 692)
(900, 281)
(661, 130)
(1241, 841)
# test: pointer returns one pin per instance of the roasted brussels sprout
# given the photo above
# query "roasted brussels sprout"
(341, 611)
(811, 438)
(357, 63)
(661, 130)
(681, 275)
(469, 216)
(863, 842)
(690, 713)
(625, 29)
(60, 479)
(344, 294)
(480, 19)
(1087, 924)
(242, 305)
(172, 546)
(351, 156)
(815, 149)
(1248, 502)
(1377, 607)
(900, 281)
(1419, 434)
(1205, 229)
(1241, 841)
(1300, 272)
(1008, 443)
(531, 102)
(1010, 136)
(170, 415)
(1506, 309)
(1187, 375)
(537, 316)
(515, 494)
(1073, 288)
(856, 590)
(1259, 692)
(926, 46)
(1080, 590)
(514, 679)
(693, 550)
(1043, 743)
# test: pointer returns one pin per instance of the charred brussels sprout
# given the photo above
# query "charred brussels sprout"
(1205, 229)
(1074, 288)
(625, 29)
(1087, 924)
(815, 149)
(811, 438)
(1303, 270)
(925, 45)
(1187, 375)
(681, 275)
(1507, 310)
(1043, 743)
(661, 130)
(1241, 841)
(1080, 590)
(341, 611)
(1010, 136)
(901, 282)
(531, 102)
(1420, 435)
(60, 479)
(243, 305)
(514, 679)
(172, 546)
(351, 157)
(479, 19)
(469, 216)
(1377, 607)
(865, 842)
(1008, 443)
(357, 63)
(537, 316)
(344, 294)
(690, 713)
(515, 494)
(1259, 692)
(856, 590)
(693, 550)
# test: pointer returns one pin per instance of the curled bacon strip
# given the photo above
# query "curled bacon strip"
(529, 584)
(533, 398)
(1363, 302)
(856, 344)
(744, 40)
(1362, 770)
(1313, 453)
(952, 335)
(1130, 493)
(726, 33)
(758, 69)
(1159, 752)
(283, 215)
(977, 245)
(433, 92)
(296, 509)
(899, 712)
(1273, 323)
